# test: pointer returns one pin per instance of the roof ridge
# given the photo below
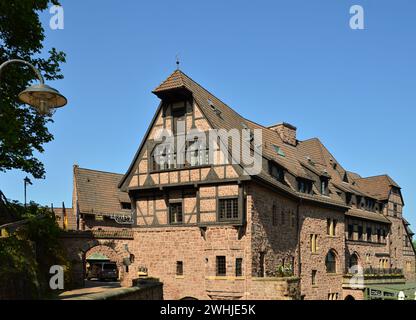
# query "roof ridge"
(375, 176)
(102, 171)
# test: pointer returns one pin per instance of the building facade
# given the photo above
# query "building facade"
(210, 229)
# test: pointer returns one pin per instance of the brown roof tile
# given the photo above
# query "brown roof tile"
(367, 215)
(296, 159)
(97, 192)
(378, 186)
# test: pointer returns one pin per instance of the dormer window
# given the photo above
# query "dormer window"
(345, 179)
(276, 172)
(380, 207)
(304, 186)
(126, 205)
(348, 198)
(369, 203)
(359, 204)
(324, 186)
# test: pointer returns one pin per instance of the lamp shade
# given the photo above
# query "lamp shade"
(43, 98)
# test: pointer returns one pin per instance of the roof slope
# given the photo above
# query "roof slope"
(307, 158)
(97, 192)
(377, 186)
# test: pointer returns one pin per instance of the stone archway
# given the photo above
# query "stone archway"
(349, 298)
(104, 248)
(188, 298)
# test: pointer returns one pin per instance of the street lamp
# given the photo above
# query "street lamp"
(26, 181)
(40, 96)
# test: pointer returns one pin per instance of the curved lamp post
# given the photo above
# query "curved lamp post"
(40, 96)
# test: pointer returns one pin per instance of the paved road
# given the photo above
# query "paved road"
(91, 286)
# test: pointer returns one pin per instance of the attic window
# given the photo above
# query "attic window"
(334, 165)
(276, 172)
(126, 205)
(304, 186)
(279, 151)
(345, 179)
(324, 186)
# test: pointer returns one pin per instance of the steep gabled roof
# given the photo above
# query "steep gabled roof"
(378, 186)
(174, 81)
(97, 192)
(308, 157)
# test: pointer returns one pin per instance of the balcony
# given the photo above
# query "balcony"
(371, 276)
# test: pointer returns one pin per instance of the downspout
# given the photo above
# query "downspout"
(298, 235)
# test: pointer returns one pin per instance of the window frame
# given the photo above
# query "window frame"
(332, 267)
(239, 267)
(179, 268)
(324, 186)
(173, 203)
(279, 169)
(305, 186)
(221, 266)
(225, 219)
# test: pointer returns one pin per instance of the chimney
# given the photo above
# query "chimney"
(286, 131)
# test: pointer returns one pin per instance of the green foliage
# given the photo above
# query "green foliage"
(22, 130)
(285, 270)
(27, 255)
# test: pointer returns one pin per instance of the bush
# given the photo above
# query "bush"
(285, 270)
(27, 255)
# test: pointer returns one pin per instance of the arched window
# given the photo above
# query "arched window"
(331, 262)
(353, 260)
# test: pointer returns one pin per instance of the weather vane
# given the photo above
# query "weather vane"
(177, 62)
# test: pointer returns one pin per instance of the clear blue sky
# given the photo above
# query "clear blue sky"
(294, 61)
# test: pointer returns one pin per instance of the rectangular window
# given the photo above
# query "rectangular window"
(314, 277)
(179, 268)
(239, 267)
(380, 207)
(331, 227)
(360, 233)
(228, 209)
(348, 198)
(350, 232)
(221, 266)
(378, 235)
(369, 234)
(359, 204)
(175, 213)
(276, 172)
(395, 209)
(304, 186)
(324, 187)
(314, 243)
(126, 205)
